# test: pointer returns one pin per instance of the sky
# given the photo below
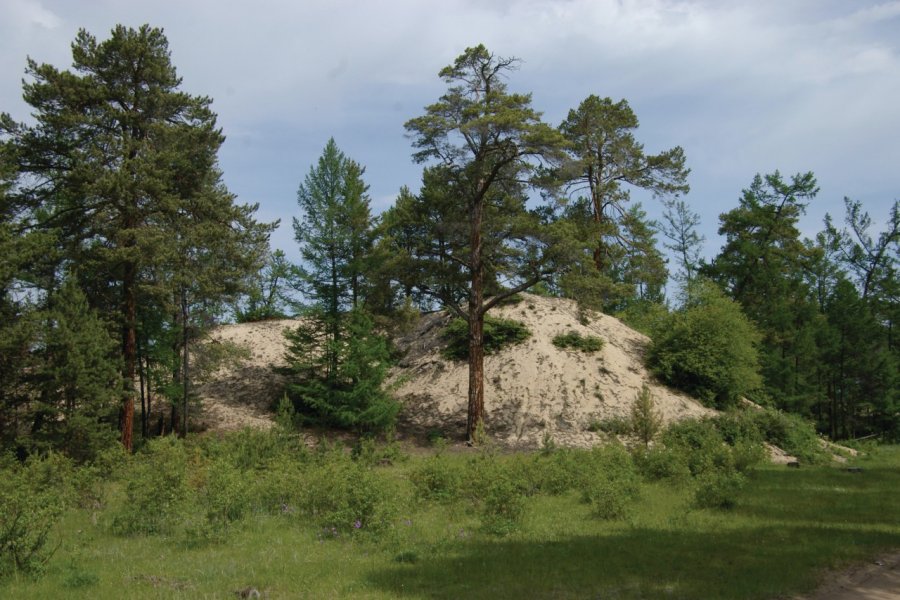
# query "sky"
(745, 87)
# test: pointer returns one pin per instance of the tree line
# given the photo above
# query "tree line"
(122, 247)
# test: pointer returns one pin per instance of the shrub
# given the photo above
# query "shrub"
(660, 463)
(226, 495)
(792, 433)
(343, 496)
(498, 334)
(575, 341)
(156, 489)
(701, 445)
(611, 486)
(503, 506)
(560, 471)
(611, 425)
(708, 349)
(718, 489)
(30, 508)
(437, 479)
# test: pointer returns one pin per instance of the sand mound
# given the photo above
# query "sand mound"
(534, 388)
(531, 389)
(242, 395)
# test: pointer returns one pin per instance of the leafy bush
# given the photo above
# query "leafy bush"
(156, 489)
(225, 495)
(30, 508)
(559, 471)
(344, 496)
(660, 463)
(576, 341)
(792, 433)
(503, 506)
(437, 479)
(611, 486)
(701, 444)
(498, 334)
(718, 489)
(611, 425)
(708, 349)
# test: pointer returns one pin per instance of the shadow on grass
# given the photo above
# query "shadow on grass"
(745, 562)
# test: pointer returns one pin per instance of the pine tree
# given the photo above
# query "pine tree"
(118, 158)
(605, 157)
(486, 143)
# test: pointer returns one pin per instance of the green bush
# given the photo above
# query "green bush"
(792, 433)
(225, 495)
(612, 485)
(437, 479)
(558, 472)
(30, 508)
(660, 463)
(498, 334)
(254, 449)
(156, 489)
(708, 349)
(611, 425)
(343, 496)
(701, 444)
(279, 488)
(718, 489)
(503, 505)
(576, 341)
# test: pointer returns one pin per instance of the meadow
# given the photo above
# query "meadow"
(260, 512)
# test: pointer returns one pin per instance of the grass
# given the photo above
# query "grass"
(788, 526)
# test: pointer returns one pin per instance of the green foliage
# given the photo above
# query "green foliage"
(663, 464)
(614, 425)
(572, 339)
(437, 479)
(611, 487)
(718, 489)
(503, 505)
(707, 349)
(33, 498)
(156, 488)
(498, 334)
(224, 496)
(646, 420)
(343, 497)
(338, 379)
(792, 433)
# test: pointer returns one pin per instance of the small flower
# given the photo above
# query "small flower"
(357, 524)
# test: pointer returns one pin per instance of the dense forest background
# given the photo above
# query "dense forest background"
(122, 247)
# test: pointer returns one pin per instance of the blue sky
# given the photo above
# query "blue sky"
(743, 86)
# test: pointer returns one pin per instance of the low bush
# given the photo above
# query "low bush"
(718, 489)
(575, 341)
(437, 479)
(30, 509)
(498, 334)
(792, 433)
(343, 496)
(612, 485)
(662, 464)
(156, 489)
(503, 505)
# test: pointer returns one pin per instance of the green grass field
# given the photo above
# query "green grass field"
(788, 526)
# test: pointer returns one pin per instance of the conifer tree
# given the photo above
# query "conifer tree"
(336, 360)
(486, 144)
(114, 161)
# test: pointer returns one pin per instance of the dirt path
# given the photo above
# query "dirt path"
(873, 580)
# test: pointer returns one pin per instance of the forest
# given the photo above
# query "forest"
(122, 249)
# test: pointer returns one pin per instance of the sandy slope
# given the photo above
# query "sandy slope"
(531, 389)
(534, 388)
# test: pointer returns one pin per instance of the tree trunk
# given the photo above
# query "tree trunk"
(475, 417)
(186, 380)
(129, 353)
(142, 381)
